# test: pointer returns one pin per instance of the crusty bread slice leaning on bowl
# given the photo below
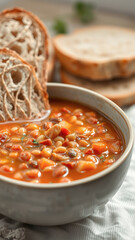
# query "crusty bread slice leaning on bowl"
(98, 52)
(23, 32)
(21, 95)
(120, 91)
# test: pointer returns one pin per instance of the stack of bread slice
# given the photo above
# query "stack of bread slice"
(23, 65)
(100, 58)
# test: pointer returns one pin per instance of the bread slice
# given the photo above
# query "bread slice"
(24, 33)
(97, 53)
(21, 95)
(121, 91)
(50, 63)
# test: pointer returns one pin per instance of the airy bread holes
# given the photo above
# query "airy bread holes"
(16, 76)
(36, 90)
(4, 60)
(29, 48)
(20, 96)
(16, 48)
(40, 52)
(21, 40)
(14, 33)
(35, 34)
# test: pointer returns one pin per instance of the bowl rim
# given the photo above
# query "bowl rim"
(95, 176)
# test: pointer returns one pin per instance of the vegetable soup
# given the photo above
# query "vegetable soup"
(73, 143)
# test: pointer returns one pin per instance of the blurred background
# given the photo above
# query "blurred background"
(116, 12)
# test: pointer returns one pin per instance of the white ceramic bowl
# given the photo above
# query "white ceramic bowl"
(53, 204)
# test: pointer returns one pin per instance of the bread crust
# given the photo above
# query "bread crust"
(44, 30)
(95, 71)
(117, 96)
(41, 91)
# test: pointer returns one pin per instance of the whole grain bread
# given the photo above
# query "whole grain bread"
(24, 33)
(98, 52)
(121, 91)
(21, 95)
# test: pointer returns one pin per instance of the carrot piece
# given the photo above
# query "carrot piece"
(44, 162)
(99, 147)
(85, 165)
(65, 124)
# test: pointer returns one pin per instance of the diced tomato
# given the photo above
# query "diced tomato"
(64, 132)
(47, 142)
(89, 151)
(69, 164)
(25, 156)
(65, 110)
(16, 147)
(65, 143)
(99, 147)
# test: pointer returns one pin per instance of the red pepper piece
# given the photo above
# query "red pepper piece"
(65, 143)
(64, 132)
(47, 142)
(89, 151)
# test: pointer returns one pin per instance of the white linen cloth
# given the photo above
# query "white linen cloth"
(114, 221)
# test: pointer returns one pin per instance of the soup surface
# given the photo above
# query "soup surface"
(73, 143)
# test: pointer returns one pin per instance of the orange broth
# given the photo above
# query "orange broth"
(73, 143)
